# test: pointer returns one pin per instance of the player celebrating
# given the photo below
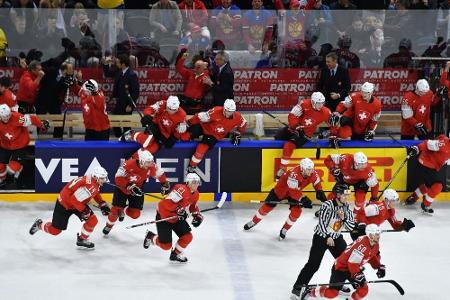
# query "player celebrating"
(349, 264)
(14, 139)
(432, 156)
(73, 200)
(95, 117)
(165, 120)
(333, 215)
(376, 212)
(173, 206)
(416, 112)
(290, 187)
(213, 126)
(130, 179)
(356, 116)
(354, 170)
(302, 123)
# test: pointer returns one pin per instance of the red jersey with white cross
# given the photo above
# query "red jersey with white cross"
(357, 255)
(292, 183)
(94, 111)
(376, 213)
(214, 122)
(177, 201)
(416, 109)
(305, 116)
(78, 192)
(365, 115)
(131, 173)
(168, 123)
(434, 154)
(14, 134)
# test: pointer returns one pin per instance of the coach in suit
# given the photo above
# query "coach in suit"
(334, 82)
(222, 80)
(126, 86)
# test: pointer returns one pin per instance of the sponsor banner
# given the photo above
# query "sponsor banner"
(385, 162)
(270, 89)
(59, 162)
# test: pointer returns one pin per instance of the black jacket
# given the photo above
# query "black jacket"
(223, 85)
(339, 83)
(123, 84)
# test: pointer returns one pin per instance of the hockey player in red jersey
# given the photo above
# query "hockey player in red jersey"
(290, 187)
(213, 125)
(165, 121)
(353, 169)
(95, 117)
(14, 139)
(348, 266)
(377, 212)
(130, 179)
(302, 123)
(182, 197)
(416, 108)
(432, 156)
(356, 116)
(73, 200)
(6, 95)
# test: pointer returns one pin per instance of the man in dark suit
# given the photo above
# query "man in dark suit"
(334, 82)
(222, 80)
(125, 90)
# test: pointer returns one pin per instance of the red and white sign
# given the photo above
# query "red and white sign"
(254, 89)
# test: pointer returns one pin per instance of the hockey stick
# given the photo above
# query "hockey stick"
(384, 230)
(314, 141)
(393, 282)
(395, 175)
(281, 202)
(218, 205)
(146, 194)
(66, 98)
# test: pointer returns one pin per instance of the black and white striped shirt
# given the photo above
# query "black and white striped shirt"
(330, 225)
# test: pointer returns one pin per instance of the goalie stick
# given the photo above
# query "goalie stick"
(393, 282)
(223, 197)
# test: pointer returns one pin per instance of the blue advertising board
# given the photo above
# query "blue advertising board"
(59, 162)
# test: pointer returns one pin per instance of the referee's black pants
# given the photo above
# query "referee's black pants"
(318, 248)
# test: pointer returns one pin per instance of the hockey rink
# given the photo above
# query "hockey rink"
(224, 261)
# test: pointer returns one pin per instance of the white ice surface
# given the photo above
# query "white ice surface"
(224, 261)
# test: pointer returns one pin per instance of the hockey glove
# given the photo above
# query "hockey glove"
(235, 138)
(127, 136)
(68, 81)
(320, 195)
(165, 188)
(381, 271)
(335, 120)
(412, 151)
(197, 220)
(421, 129)
(369, 136)
(358, 280)
(358, 230)
(135, 190)
(181, 214)
(305, 202)
(337, 175)
(104, 208)
(407, 225)
(146, 120)
(45, 126)
(86, 213)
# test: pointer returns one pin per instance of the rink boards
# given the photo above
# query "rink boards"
(247, 172)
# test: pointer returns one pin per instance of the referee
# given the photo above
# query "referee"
(333, 215)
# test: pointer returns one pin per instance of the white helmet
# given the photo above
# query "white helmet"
(307, 166)
(390, 195)
(192, 177)
(317, 100)
(367, 89)
(373, 229)
(5, 113)
(100, 173)
(173, 103)
(229, 105)
(360, 160)
(144, 157)
(90, 86)
(422, 87)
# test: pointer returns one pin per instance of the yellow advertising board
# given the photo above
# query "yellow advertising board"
(385, 162)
